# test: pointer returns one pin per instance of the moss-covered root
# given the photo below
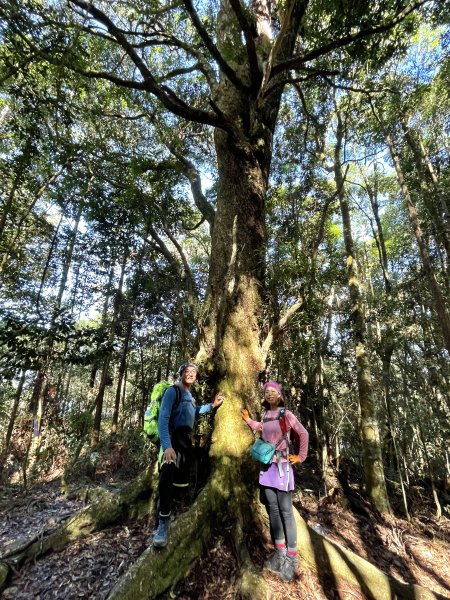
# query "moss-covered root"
(251, 584)
(158, 569)
(107, 510)
(339, 564)
(4, 572)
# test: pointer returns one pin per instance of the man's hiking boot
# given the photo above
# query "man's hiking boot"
(289, 569)
(160, 537)
(276, 560)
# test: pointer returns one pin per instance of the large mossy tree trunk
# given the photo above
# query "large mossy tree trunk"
(231, 349)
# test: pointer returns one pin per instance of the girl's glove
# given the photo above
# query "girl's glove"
(244, 413)
(294, 458)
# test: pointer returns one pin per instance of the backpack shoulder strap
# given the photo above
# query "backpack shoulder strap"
(283, 426)
(178, 396)
(265, 419)
(283, 422)
(175, 404)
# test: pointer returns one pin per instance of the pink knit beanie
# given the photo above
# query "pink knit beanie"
(274, 385)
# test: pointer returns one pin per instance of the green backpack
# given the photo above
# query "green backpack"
(152, 413)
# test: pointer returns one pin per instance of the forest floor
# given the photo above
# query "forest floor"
(417, 551)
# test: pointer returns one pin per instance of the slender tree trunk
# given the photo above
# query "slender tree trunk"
(372, 192)
(372, 455)
(436, 293)
(37, 396)
(144, 384)
(65, 386)
(39, 392)
(108, 294)
(121, 373)
(315, 401)
(430, 471)
(387, 338)
(18, 225)
(388, 348)
(169, 351)
(440, 214)
(436, 367)
(12, 420)
(95, 438)
(124, 387)
(22, 163)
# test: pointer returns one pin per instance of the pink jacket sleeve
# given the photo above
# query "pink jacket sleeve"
(255, 425)
(293, 422)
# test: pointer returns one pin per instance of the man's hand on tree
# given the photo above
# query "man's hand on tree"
(294, 458)
(245, 414)
(218, 399)
(169, 456)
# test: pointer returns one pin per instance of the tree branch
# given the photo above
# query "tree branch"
(255, 71)
(176, 72)
(310, 74)
(14, 69)
(299, 91)
(350, 88)
(182, 269)
(186, 273)
(194, 227)
(277, 328)
(285, 42)
(157, 244)
(167, 97)
(224, 66)
(298, 61)
(193, 175)
(165, 40)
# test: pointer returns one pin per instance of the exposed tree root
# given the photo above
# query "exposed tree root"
(329, 559)
(191, 532)
(158, 569)
(4, 572)
(244, 510)
(251, 585)
(108, 509)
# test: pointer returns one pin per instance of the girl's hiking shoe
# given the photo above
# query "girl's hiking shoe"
(289, 569)
(276, 560)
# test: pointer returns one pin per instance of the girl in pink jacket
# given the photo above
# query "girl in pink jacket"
(277, 480)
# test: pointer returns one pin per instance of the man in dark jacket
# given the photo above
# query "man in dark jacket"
(175, 424)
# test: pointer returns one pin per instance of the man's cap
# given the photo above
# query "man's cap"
(185, 366)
